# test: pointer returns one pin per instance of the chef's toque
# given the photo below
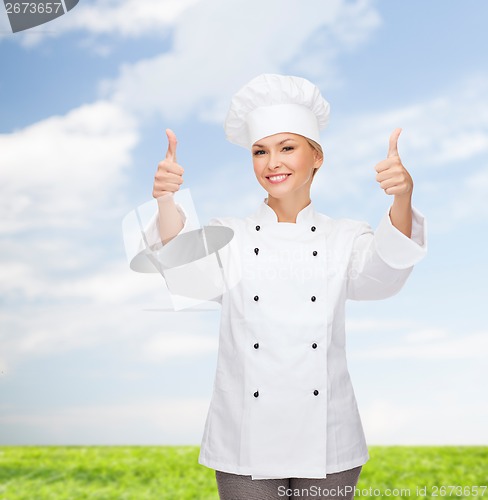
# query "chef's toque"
(270, 104)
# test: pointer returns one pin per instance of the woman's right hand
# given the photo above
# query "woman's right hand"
(169, 175)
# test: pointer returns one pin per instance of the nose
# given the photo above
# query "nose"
(274, 161)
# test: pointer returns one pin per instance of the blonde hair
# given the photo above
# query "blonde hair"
(317, 147)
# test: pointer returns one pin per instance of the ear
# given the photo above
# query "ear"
(318, 159)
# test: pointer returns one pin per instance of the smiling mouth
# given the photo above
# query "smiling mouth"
(276, 179)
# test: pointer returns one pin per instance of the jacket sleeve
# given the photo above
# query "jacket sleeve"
(145, 246)
(150, 238)
(216, 222)
(381, 261)
(194, 271)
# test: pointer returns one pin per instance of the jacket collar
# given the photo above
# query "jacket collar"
(266, 214)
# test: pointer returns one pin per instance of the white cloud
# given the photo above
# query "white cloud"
(232, 28)
(469, 203)
(89, 318)
(56, 328)
(56, 172)
(422, 336)
(444, 420)
(373, 340)
(3, 368)
(437, 132)
(172, 421)
(430, 345)
(114, 284)
(434, 132)
(130, 18)
(222, 44)
(59, 179)
(163, 346)
(125, 18)
(15, 275)
(444, 144)
(364, 325)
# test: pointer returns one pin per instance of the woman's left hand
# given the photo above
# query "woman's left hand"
(392, 176)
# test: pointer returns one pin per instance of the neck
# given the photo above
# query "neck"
(287, 209)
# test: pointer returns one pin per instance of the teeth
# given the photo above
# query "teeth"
(277, 177)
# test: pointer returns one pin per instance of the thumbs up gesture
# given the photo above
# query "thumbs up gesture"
(169, 175)
(392, 175)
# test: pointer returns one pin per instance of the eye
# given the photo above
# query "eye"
(288, 148)
(258, 152)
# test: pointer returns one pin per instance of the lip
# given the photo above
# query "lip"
(275, 175)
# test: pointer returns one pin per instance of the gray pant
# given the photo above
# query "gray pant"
(338, 485)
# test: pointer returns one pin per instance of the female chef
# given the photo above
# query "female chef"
(283, 420)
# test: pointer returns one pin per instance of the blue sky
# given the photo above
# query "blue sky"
(86, 354)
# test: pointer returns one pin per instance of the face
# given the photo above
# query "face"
(284, 164)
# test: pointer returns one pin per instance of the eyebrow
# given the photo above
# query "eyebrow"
(279, 144)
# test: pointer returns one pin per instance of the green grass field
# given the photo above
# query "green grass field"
(173, 472)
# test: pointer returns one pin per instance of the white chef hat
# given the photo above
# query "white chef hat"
(270, 104)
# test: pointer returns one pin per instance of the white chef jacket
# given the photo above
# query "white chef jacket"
(283, 404)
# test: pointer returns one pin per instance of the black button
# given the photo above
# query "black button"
(256, 298)
(315, 393)
(314, 253)
(256, 345)
(313, 228)
(256, 251)
(313, 298)
(256, 394)
(258, 228)
(314, 345)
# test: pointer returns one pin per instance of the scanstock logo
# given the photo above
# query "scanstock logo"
(25, 15)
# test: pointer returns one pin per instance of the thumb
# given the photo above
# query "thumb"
(172, 141)
(393, 146)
